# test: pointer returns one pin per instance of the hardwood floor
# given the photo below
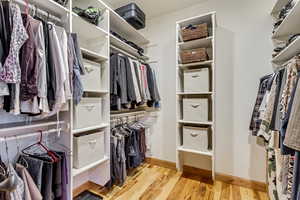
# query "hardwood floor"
(150, 182)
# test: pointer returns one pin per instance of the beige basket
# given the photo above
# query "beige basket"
(200, 31)
(194, 55)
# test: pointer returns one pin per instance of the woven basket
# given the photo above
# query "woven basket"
(194, 55)
(200, 31)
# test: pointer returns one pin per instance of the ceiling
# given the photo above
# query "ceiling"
(154, 8)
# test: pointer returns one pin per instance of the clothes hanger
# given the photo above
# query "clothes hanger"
(43, 147)
(22, 160)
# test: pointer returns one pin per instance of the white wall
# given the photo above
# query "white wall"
(247, 25)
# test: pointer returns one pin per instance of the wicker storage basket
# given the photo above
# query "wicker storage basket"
(194, 55)
(197, 32)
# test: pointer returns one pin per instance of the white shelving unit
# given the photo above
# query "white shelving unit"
(278, 6)
(289, 26)
(94, 45)
(291, 23)
(208, 42)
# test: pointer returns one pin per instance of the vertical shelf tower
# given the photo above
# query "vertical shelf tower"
(94, 45)
(189, 145)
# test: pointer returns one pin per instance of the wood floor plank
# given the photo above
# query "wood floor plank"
(158, 186)
(217, 190)
(236, 193)
(226, 191)
(151, 182)
(140, 184)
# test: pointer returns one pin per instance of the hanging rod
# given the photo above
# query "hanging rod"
(124, 52)
(23, 128)
(37, 9)
(127, 114)
(128, 54)
(16, 136)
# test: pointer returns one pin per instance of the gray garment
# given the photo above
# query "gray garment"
(135, 81)
(276, 112)
(35, 168)
(118, 80)
(130, 85)
(157, 95)
(296, 178)
(292, 136)
(77, 67)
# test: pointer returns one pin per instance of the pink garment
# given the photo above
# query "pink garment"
(31, 190)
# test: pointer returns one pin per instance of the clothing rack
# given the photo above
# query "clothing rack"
(127, 114)
(14, 137)
(126, 53)
(36, 9)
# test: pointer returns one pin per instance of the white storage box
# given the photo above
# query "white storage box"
(196, 109)
(196, 138)
(88, 149)
(88, 113)
(196, 80)
(92, 79)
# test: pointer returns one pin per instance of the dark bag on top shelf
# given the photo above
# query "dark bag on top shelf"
(194, 55)
(133, 15)
(193, 32)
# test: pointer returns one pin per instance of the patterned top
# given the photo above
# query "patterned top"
(255, 120)
(292, 73)
(11, 72)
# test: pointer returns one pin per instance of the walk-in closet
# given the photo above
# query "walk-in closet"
(149, 100)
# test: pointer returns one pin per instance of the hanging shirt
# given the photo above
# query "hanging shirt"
(62, 36)
(29, 56)
(11, 72)
(60, 70)
(135, 82)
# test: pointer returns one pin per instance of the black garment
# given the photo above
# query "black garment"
(51, 71)
(5, 36)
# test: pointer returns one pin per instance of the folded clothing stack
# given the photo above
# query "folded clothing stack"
(91, 14)
(280, 45)
(283, 13)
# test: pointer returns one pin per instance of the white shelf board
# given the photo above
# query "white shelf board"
(76, 172)
(93, 55)
(20, 128)
(206, 18)
(278, 6)
(50, 6)
(209, 153)
(193, 44)
(86, 29)
(204, 63)
(194, 93)
(125, 47)
(103, 125)
(286, 54)
(123, 28)
(291, 23)
(194, 122)
(97, 91)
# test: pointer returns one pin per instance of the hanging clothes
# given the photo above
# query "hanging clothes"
(131, 83)
(128, 150)
(37, 63)
(276, 111)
